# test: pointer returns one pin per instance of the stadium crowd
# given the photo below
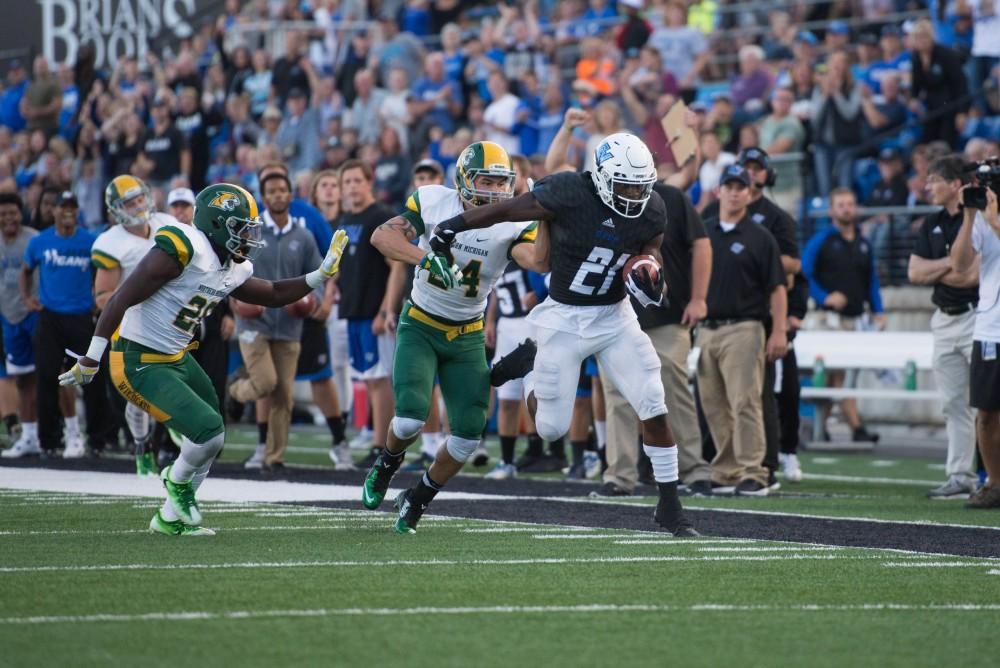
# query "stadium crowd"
(818, 105)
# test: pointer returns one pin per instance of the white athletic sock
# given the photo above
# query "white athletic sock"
(72, 424)
(430, 442)
(194, 456)
(664, 460)
(30, 430)
(601, 429)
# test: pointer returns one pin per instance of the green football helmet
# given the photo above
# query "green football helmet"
(228, 216)
(483, 158)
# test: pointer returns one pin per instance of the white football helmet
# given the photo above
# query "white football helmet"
(625, 173)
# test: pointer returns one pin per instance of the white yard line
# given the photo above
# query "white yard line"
(937, 564)
(233, 615)
(432, 562)
(874, 480)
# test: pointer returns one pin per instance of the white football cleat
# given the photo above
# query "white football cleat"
(502, 471)
(340, 455)
(790, 467)
(23, 447)
(74, 446)
(256, 460)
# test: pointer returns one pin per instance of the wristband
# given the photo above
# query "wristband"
(456, 224)
(314, 279)
(98, 345)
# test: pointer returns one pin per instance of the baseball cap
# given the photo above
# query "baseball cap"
(432, 165)
(67, 198)
(868, 39)
(634, 4)
(180, 195)
(807, 37)
(889, 153)
(755, 154)
(838, 28)
(891, 30)
(698, 106)
(296, 92)
(734, 173)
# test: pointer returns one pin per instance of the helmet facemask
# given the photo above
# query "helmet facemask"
(475, 196)
(126, 214)
(245, 238)
(628, 198)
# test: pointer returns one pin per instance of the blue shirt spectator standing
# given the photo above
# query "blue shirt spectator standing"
(65, 305)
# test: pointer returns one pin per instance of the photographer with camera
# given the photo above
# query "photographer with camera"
(980, 235)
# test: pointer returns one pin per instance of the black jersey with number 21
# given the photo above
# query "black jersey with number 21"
(590, 243)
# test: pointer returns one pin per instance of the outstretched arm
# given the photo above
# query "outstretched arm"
(519, 209)
(393, 239)
(280, 293)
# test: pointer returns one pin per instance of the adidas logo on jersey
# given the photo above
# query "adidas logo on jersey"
(608, 223)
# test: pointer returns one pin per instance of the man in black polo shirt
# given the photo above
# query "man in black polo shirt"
(781, 225)
(687, 263)
(747, 280)
(840, 266)
(955, 295)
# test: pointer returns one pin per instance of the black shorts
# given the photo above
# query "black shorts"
(314, 357)
(984, 380)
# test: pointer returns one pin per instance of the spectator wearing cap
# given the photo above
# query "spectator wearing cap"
(19, 322)
(65, 305)
(747, 283)
(42, 100)
(427, 172)
(10, 99)
(805, 47)
(955, 296)
(888, 231)
(751, 88)
(684, 49)
(836, 107)
(298, 136)
(894, 58)
(165, 148)
(635, 31)
(180, 201)
(837, 36)
(840, 266)
(938, 86)
(866, 54)
(781, 132)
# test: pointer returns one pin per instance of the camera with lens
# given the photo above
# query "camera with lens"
(986, 174)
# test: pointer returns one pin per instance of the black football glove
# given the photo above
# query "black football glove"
(648, 292)
(441, 242)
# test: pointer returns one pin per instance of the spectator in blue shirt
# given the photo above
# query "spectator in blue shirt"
(436, 98)
(65, 304)
(528, 114)
(10, 101)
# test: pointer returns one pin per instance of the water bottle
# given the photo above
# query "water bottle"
(910, 375)
(819, 372)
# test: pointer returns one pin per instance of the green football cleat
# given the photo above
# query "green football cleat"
(181, 495)
(176, 528)
(378, 479)
(145, 464)
(409, 513)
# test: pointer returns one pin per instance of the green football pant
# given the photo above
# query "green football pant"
(173, 389)
(456, 353)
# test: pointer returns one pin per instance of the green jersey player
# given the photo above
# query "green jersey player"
(440, 330)
(151, 320)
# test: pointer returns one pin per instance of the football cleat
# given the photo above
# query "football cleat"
(340, 455)
(480, 457)
(23, 447)
(378, 479)
(409, 513)
(515, 364)
(176, 528)
(75, 448)
(502, 471)
(181, 495)
(145, 464)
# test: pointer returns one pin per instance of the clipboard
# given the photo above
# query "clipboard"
(682, 139)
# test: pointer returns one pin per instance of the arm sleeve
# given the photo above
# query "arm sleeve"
(809, 259)
(411, 212)
(171, 240)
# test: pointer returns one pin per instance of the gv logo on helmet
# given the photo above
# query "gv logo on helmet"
(226, 201)
(603, 153)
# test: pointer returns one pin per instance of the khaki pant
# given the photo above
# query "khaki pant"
(730, 373)
(672, 344)
(270, 366)
(952, 355)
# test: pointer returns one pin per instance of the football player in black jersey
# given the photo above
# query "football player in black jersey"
(596, 223)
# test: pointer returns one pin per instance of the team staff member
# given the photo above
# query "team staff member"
(747, 281)
(364, 297)
(65, 304)
(955, 296)
(840, 266)
(270, 343)
(781, 225)
(19, 323)
(980, 235)
(180, 202)
(687, 262)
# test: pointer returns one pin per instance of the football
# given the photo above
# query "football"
(303, 308)
(643, 263)
(245, 310)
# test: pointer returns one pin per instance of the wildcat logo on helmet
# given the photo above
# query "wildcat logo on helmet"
(603, 153)
(226, 201)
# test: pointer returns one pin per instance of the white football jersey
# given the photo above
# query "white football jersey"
(166, 321)
(116, 247)
(482, 255)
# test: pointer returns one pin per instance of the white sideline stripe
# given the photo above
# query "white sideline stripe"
(775, 549)
(526, 529)
(579, 536)
(491, 610)
(875, 480)
(937, 564)
(993, 571)
(430, 562)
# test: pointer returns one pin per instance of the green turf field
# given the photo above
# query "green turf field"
(81, 584)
